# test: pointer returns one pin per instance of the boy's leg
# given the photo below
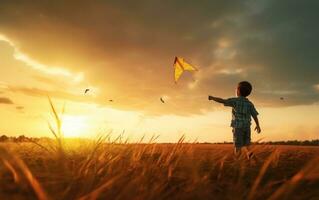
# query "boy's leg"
(237, 150)
(248, 152)
(247, 140)
(238, 140)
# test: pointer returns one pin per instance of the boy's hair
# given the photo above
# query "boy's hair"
(244, 88)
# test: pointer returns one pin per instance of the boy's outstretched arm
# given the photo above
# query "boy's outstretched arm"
(257, 128)
(217, 99)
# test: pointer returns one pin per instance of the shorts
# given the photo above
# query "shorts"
(241, 137)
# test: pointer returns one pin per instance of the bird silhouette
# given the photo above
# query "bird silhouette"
(111, 100)
(281, 98)
(86, 90)
(162, 100)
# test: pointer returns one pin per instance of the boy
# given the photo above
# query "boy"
(242, 111)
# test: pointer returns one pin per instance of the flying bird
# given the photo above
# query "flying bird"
(281, 98)
(86, 90)
(180, 66)
(111, 100)
(162, 100)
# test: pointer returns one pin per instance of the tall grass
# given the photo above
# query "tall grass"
(57, 132)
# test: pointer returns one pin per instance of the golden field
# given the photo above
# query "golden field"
(103, 169)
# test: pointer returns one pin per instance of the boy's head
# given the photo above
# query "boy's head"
(244, 88)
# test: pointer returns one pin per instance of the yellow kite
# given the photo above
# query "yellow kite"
(180, 66)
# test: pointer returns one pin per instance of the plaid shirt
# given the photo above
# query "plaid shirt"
(242, 110)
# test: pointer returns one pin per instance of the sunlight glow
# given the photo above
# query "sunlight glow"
(74, 126)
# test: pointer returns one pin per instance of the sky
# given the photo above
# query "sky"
(124, 51)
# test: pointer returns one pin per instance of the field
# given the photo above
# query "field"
(101, 169)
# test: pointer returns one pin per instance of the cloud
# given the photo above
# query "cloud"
(45, 93)
(3, 85)
(126, 49)
(54, 82)
(5, 100)
(230, 71)
(53, 70)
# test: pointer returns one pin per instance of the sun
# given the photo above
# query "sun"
(74, 126)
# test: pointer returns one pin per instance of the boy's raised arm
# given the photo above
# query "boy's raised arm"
(217, 99)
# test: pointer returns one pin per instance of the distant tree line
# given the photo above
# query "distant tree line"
(21, 138)
(287, 142)
(295, 142)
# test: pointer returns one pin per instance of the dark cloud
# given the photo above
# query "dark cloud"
(127, 48)
(5, 100)
(285, 45)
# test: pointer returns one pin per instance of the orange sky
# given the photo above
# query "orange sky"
(124, 51)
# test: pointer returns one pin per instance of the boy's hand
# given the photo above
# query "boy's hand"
(258, 129)
(217, 99)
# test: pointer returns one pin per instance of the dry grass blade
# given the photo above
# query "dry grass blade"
(18, 166)
(53, 132)
(58, 132)
(262, 172)
(12, 170)
(56, 117)
(177, 147)
(141, 140)
(119, 138)
(310, 169)
(221, 166)
(98, 143)
(153, 139)
(39, 145)
(95, 193)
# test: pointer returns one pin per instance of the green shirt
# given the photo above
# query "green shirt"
(242, 111)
